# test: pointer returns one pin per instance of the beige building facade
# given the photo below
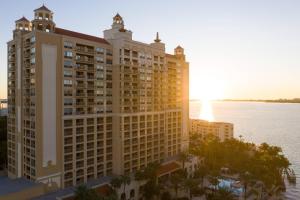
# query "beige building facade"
(221, 130)
(82, 107)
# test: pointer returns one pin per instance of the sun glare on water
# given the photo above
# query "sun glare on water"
(206, 110)
(210, 91)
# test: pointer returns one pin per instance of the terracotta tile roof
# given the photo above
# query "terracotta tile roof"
(22, 19)
(80, 35)
(170, 55)
(167, 168)
(103, 190)
(43, 7)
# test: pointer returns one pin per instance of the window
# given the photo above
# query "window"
(99, 59)
(32, 50)
(68, 63)
(68, 54)
(108, 52)
(68, 101)
(99, 83)
(99, 75)
(99, 50)
(32, 39)
(99, 67)
(108, 61)
(68, 83)
(68, 92)
(77, 57)
(32, 61)
(68, 73)
(68, 45)
(99, 92)
(68, 111)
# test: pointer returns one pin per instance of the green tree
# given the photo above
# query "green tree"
(84, 193)
(200, 173)
(150, 190)
(245, 178)
(116, 183)
(150, 175)
(190, 185)
(176, 180)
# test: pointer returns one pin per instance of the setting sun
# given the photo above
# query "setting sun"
(207, 90)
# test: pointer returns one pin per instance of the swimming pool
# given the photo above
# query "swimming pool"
(228, 184)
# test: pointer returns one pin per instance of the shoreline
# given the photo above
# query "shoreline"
(296, 101)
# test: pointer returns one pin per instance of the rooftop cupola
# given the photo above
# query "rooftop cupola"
(43, 19)
(23, 24)
(118, 22)
(179, 52)
(157, 38)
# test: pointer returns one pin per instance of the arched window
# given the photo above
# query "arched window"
(48, 28)
(26, 27)
(40, 27)
(40, 15)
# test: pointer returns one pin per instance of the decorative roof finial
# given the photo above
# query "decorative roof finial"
(157, 38)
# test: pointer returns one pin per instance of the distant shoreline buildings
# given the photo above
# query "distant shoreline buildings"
(203, 128)
(82, 107)
(3, 107)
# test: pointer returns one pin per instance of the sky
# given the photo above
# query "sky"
(239, 49)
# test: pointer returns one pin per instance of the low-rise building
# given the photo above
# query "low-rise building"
(222, 130)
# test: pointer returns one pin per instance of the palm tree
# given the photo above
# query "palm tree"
(122, 180)
(176, 180)
(150, 175)
(150, 172)
(245, 177)
(81, 192)
(116, 183)
(150, 190)
(84, 193)
(201, 172)
(190, 185)
(139, 176)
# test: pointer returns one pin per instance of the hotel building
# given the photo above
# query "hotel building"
(82, 107)
(221, 130)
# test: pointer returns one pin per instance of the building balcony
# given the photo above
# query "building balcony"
(85, 60)
(85, 50)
